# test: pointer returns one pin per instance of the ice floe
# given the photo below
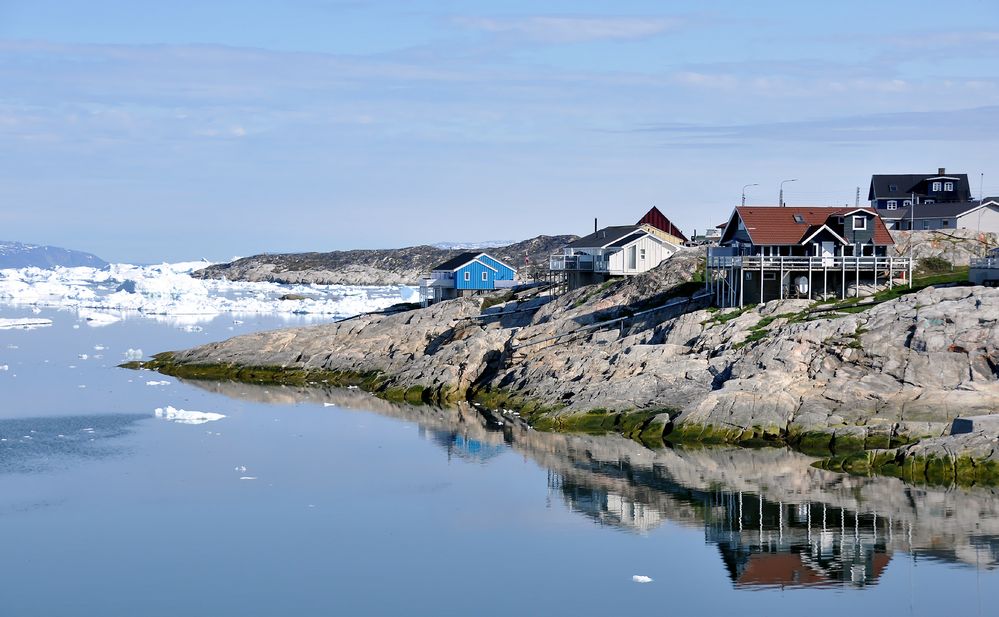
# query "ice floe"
(157, 383)
(26, 323)
(133, 354)
(182, 416)
(105, 295)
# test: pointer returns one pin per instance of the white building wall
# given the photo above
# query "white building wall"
(655, 253)
(989, 220)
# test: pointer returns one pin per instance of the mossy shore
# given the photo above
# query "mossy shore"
(653, 428)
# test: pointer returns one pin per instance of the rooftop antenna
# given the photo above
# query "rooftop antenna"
(856, 200)
(981, 187)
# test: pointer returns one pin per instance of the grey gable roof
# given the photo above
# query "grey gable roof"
(604, 237)
(906, 184)
(458, 261)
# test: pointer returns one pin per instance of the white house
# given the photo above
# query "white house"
(624, 250)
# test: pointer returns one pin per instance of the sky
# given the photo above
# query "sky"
(152, 131)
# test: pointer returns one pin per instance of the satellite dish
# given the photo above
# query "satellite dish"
(802, 284)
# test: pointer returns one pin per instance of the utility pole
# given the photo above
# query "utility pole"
(856, 201)
(744, 192)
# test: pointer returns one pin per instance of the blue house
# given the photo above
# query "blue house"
(464, 275)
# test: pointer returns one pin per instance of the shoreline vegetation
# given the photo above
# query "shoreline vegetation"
(871, 385)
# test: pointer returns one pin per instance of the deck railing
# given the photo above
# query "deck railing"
(757, 262)
(985, 263)
(579, 263)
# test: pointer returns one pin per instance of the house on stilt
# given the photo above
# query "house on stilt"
(772, 253)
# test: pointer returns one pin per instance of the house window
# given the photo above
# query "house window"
(892, 188)
(907, 203)
(468, 276)
(926, 224)
(860, 222)
(948, 186)
(799, 219)
(769, 276)
(945, 223)
(485, 277)
(892, 204)
(641, 254)
(937, 186)
(930, 201)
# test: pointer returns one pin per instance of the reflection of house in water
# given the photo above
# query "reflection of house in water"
(606, 508)
(463, 446)
(769, 544)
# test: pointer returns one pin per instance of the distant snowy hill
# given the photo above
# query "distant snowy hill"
(20, 255)
(471, 246)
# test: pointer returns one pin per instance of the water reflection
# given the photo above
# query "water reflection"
(776, 520)
(30, 445)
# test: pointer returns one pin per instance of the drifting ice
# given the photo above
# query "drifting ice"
(27, 323)
(182, 416)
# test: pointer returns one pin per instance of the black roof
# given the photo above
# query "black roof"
(458, 260)
(933, 211)
(903, 185)
(605, 236)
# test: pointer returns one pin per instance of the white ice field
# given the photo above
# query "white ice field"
(117, 291)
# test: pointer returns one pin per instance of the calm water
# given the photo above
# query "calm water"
(360, 507)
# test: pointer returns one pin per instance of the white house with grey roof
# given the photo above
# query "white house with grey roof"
(623, 250)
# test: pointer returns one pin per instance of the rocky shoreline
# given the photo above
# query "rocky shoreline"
(643, 358)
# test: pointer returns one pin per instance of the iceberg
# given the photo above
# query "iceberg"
(182, 416)
(26, 323)
(166, 291)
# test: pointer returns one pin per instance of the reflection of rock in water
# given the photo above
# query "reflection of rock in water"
(29, 445)
(776, 519)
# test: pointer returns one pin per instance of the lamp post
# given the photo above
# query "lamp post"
(780, 200)
(744, 191)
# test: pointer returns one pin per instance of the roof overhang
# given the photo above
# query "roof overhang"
(827, 228)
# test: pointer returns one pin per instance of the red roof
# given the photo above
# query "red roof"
(658, 220)
(777, 225)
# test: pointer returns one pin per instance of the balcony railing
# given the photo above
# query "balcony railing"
(757, 262)
(579, 263)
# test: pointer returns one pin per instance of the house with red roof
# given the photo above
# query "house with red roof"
(772, 252)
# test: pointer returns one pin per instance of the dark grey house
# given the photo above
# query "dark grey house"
(894, 191)
(982, 216)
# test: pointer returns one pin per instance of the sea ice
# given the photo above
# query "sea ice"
(182, 416)
(26, 323)
(133, 354)
(157, 383)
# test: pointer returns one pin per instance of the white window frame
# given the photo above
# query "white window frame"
(948, 186)
(930, 201)
(859, 219)
(907, 203)
(937, 186)
(468, 276)
(641, 254)
(485, 276)
(892, 204)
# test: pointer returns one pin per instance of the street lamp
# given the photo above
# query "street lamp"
(780, 200)
(744, 192)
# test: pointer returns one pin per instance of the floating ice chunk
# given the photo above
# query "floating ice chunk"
(4, 367)
(239, 468)
(99, 347)
(133, 354)
(639, 578)
(96, 319)
(157, 383)
(248, 477)
(83, 356)
(182, 416)
(25, 323)
(329, 404)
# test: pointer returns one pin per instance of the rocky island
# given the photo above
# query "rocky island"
(873, 383)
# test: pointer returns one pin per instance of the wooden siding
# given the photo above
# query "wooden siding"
(655, 253)
(505, 273)
(475, 271)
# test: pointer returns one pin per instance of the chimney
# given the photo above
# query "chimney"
(941, 171)
(594, 224)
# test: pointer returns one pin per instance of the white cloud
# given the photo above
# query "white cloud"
(566, 29)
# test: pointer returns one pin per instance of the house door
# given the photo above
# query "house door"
(828, 252)
(633, 258)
